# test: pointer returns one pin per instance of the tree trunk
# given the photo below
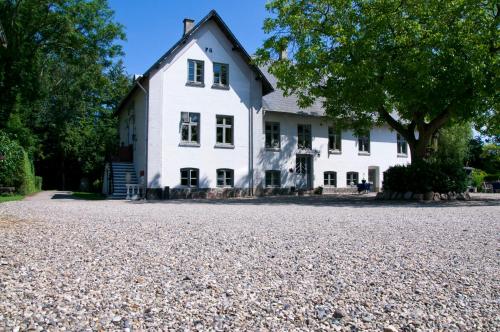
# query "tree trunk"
(418, 147)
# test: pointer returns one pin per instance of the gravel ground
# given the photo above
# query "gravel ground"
(283, 264)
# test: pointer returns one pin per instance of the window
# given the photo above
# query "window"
(224, 130)
(364, 143)
(402, 145)
(225, 177)
(189, 177)
(273, 179)
(334, 139)
(196, 72)
(352, 178)
(221, 74)
(190, 128)
(330, 179)
(273, 138)
(304, 136)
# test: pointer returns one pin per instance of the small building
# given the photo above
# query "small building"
(206, 122)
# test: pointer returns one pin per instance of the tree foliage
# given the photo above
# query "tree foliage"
(60, 79)
(416, 65)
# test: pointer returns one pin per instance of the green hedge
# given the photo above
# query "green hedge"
(421, 177)
(16, 168)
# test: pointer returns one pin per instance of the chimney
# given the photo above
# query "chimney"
(188, 25)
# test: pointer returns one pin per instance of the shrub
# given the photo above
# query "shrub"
(422, 176)
(16, 168)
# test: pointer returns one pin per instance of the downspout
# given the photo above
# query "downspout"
(250, 148)
(146, 121)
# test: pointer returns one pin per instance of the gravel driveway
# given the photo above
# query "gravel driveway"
(282, 264)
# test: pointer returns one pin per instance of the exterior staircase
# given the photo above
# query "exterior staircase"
(120, 169)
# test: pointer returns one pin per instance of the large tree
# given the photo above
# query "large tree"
(416, 65)
(60, 79)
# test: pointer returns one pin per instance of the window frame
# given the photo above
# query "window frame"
(348, 183)
(305, 138)
(327, 178)
(274, 175)
(190, 124)
(196, 65)
(335, 135)
(400, 143)
(190, 177)
(220, 84)
(225, 171)
(364, 141)
(272, 132)
(224, 128)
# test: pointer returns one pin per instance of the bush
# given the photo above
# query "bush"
(477, 177)
(422, 176)
(16, 168)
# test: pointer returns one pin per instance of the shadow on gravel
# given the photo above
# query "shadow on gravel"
(354, 201)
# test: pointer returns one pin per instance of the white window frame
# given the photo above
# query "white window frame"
(364, 143)
(402, 145)
(275, 176)
(334, 140)
(227, 177)
(328, 176)
(196, 64)
(272, 142)
(190, 172)
(186, 120)
(349, 177)
(307, 139)
(224, 126)
(219, 75)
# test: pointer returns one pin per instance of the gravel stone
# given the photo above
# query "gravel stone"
(342, 263)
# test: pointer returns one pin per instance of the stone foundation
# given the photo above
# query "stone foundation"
(207, 193)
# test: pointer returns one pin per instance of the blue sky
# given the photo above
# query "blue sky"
(153, 26)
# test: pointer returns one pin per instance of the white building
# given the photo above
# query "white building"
(203, 121)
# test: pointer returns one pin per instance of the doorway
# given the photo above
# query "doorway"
(303, 169)
(374, 178)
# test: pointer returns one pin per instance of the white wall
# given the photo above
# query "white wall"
(169, 96)
(136, 107)
(383, 151)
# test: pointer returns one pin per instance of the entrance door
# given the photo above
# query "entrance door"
(373, 177)
(303, 169)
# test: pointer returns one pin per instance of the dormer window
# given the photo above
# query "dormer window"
(196, 73)
(221, 75)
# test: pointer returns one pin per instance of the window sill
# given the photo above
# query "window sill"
(195, 84)
(223, 146)
(335, 151)
(224, 187)
(273, 187)
(273, 149)
(363, 153)
(402, 155)
(189, 144)
(220, 87)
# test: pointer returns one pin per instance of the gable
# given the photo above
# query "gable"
(214, 17)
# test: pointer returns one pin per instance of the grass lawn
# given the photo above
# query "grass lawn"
(88, 196)
(8, 198)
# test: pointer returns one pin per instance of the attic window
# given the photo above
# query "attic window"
(196, 72)
(221, 74)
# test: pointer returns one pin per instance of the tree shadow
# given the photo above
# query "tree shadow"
(336, 200)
